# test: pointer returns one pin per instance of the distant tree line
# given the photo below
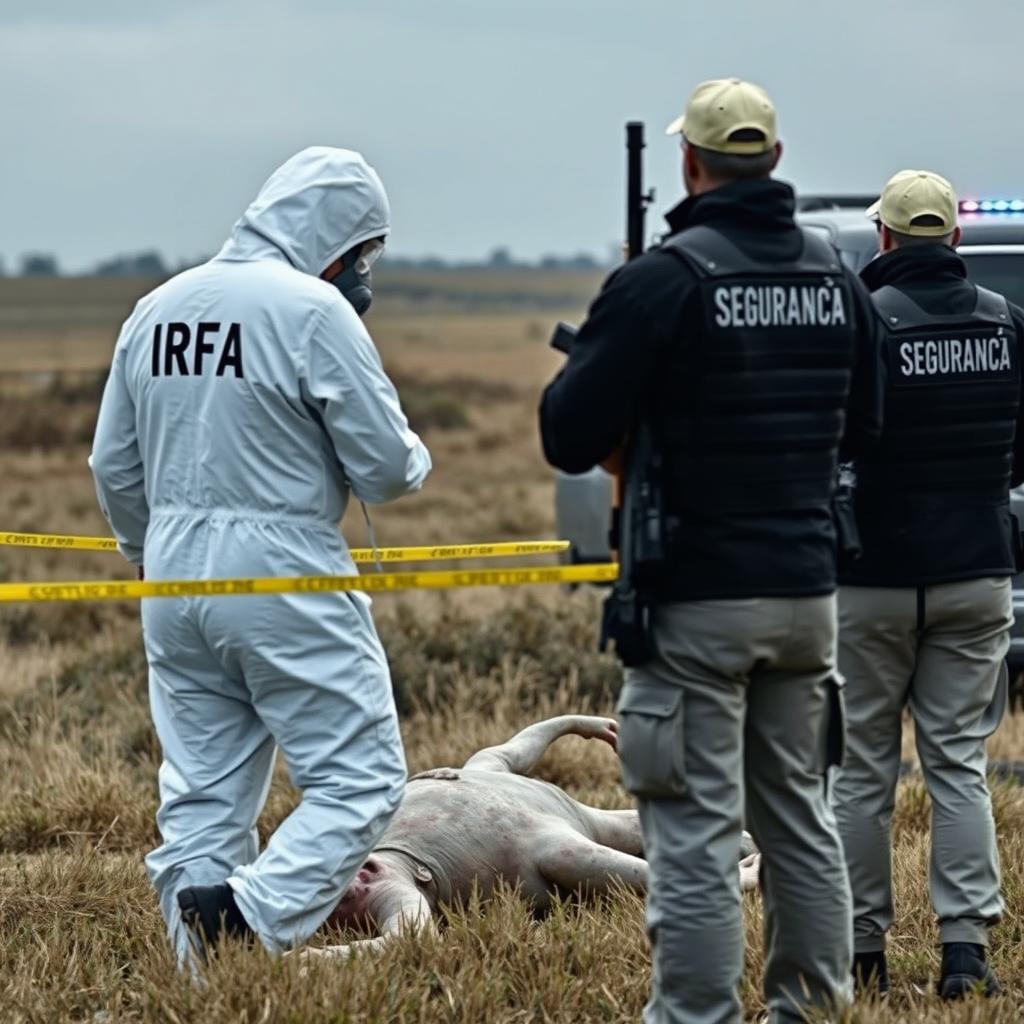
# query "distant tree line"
(141, 264)
(39, 264)
(151, 264)
(500, 258)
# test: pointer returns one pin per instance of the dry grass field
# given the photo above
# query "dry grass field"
(80, 935)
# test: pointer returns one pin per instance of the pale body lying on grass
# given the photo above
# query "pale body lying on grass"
(474, 827)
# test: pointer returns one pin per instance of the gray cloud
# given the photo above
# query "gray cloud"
(126, 125)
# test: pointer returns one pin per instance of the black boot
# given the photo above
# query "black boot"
(211, 913)
(964, 971)
(870, 972)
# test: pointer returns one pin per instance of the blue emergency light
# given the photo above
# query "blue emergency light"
(992, 205)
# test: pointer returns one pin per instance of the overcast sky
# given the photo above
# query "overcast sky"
(129, 124)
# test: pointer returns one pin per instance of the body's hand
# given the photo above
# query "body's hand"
(750, 870)
(443, 774)
(521, 753)
(593, 727)
(310, 953)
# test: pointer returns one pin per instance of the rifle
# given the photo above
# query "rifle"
(638, 519)
(638, 522)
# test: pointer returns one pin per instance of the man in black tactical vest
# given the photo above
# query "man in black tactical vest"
(924, 613)
(750, 356)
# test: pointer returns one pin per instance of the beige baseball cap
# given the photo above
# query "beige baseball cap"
(911, 197)
(719, 109)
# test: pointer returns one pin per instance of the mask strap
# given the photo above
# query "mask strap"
(372, 535)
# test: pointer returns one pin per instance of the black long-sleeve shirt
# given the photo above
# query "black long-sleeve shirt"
(611, 377)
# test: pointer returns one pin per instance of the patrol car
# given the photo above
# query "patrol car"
(993, 249)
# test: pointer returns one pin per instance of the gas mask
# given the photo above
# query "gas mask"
(354, 279)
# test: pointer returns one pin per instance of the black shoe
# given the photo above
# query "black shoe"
(870, 972)
(211, 912)
(965, 971)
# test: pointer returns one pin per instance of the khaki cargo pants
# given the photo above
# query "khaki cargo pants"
(938, 650)
(729, 719)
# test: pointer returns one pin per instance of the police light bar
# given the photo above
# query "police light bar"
(992, 205)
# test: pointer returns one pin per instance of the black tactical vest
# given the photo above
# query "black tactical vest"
(752, 407)
(932, 499)
(951, 401)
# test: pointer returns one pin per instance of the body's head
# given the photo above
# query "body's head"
(325, 210)
(728, 134)
(916, 208)
(377, 890)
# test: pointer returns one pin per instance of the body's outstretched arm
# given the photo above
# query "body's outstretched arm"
(519, 754)
(577, 864)
(411, 913)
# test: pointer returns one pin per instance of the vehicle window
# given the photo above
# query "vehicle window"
(819, 229)
(857, 259)
(1003, 272)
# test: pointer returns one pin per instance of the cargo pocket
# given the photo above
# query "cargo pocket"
(651, 739)
(996, 709)
(833, 744)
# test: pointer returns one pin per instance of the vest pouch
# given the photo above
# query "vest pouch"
(848, 546)
(626, 623)
(651, 743)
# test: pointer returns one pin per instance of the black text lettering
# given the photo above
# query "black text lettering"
(203, 347)
(231, 354)
(174, 355)
(188, 351)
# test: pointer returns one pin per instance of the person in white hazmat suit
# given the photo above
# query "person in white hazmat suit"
(245, 403)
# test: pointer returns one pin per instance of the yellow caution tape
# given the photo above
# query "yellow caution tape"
(503, 549)
(124, 590)
(499, 549)
(53, 540)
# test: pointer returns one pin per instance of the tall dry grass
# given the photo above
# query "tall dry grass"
(80, 934)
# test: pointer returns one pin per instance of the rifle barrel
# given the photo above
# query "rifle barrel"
(635, 200)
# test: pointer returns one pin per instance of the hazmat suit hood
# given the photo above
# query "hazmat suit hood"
(314, 207)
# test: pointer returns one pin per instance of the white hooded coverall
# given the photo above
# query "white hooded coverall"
(245, 402)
